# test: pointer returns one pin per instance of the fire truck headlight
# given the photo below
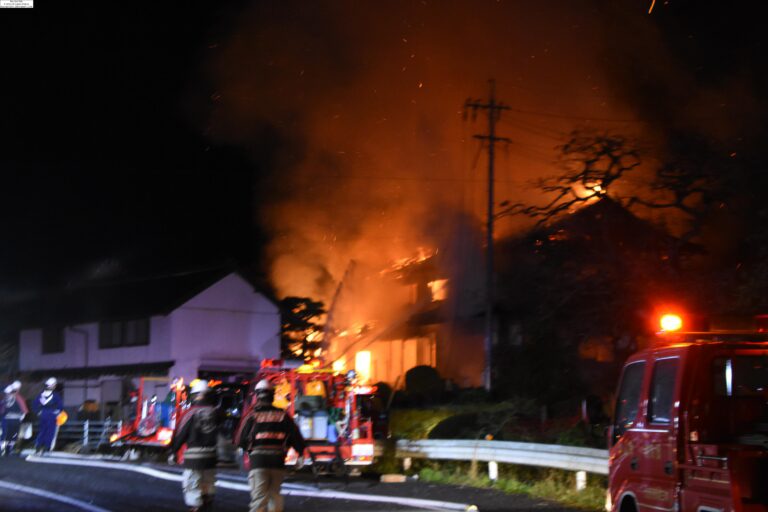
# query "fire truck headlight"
(114, 437)
(670, 323)
(164, 435)
(362, 450)
(608, 501)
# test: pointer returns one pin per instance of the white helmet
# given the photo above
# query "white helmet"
(16, 385)
(199, 386)
(264, 386)
(51, 383)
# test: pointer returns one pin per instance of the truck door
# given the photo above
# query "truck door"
(623, 453)
(657, 451)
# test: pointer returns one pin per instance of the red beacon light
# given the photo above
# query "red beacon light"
(670, 323)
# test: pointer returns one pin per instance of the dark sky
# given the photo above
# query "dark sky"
(137, 138)
(100, 167)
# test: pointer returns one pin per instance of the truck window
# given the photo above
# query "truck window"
(662, 393)
(628, 399)
(741, 376)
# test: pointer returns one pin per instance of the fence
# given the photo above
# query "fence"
(89, 434)
(570, 458)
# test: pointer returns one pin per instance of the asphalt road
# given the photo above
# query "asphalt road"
(53, 485)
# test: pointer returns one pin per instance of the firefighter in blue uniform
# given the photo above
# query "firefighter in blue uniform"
(47, 406)
(14, 412)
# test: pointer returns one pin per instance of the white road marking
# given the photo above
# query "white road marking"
(51, 496)
(288, 489)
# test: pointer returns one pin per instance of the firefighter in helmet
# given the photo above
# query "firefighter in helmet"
(266, 435)
(199, 430)
(47, 406)
(14, 412)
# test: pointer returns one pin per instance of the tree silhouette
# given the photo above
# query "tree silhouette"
(302, 330)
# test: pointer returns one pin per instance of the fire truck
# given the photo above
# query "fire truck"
(150, 431)
(332, 410)
(152, 423)
(690, 427)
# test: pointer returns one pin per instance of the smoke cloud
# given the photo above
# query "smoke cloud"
(353, 111)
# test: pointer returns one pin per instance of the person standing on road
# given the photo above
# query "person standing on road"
(266, 435)
(198, 429)
(14, 411)
(48, 406)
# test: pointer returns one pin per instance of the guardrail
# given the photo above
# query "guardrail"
(89, 434)
(571, 458)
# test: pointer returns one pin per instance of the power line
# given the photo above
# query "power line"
(578, 118)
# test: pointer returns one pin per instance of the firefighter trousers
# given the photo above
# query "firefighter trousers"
(198, 485)
(265, 489)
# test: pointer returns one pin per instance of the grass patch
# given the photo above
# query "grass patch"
(549, 484)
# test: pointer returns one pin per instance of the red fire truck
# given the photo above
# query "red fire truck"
(160, 402)
(690, 428)
(151, 428)
(333, 411)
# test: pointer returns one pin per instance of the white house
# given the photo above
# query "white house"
(97, 340)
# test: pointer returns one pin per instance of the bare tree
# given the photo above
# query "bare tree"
(593, 163)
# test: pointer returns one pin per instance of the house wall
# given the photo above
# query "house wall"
(74, 355)
(228, 327)
(101, 388)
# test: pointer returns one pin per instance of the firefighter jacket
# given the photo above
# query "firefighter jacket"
(267, 434)
(198, 429)
(14, 408)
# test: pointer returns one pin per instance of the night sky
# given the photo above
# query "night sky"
(294, 136)
(103, 172)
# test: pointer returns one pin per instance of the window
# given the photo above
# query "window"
(741, 376)
(629, 398)
(438, 289)
(127, 333)
(53, 340)
(662, 395)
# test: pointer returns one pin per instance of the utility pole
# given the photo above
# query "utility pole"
(493, 110)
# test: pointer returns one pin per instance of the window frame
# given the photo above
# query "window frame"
(651, 391)
(133, 332)
(617, 429)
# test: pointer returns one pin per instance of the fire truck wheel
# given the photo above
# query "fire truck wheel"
(628, 505)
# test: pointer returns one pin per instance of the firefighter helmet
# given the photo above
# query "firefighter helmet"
(264, 386)
(50, 383)
(199, 386)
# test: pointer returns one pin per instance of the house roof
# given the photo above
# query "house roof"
(126, 299)
(608, 221)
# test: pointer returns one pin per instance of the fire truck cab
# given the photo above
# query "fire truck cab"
(690, 428)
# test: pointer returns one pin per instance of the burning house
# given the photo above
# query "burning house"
(423, 310)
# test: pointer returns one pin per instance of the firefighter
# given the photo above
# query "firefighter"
(267, 433)
(14, 412)
(47, 406)
(198, 429)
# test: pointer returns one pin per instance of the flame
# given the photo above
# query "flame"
(422, 254)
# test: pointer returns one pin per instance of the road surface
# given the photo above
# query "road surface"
(75, 484)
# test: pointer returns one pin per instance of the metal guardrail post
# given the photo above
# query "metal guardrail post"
(85, 433)
(581, 480)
